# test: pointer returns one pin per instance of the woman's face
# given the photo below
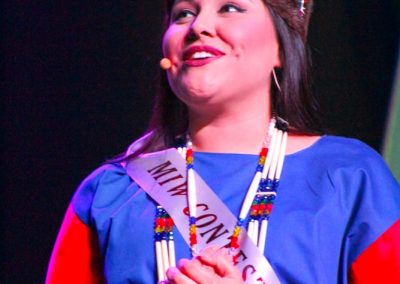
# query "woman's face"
(221, 50)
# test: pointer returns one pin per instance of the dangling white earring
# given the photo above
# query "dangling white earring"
(276, 80)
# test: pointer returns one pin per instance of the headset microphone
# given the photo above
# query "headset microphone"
(165, 63)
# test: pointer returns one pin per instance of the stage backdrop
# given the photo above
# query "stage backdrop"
(392, 139)
(77, 83)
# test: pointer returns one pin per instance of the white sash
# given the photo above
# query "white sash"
(162, 175)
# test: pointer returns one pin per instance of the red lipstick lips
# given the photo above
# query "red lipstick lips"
(200, 55)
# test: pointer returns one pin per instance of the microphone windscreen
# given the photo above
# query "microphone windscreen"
(165, 63)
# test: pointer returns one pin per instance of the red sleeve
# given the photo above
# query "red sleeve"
(76, 255)
(380, 262)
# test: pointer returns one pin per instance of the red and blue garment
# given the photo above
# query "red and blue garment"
(336, 219)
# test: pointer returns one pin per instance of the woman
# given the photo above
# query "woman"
(236, 85)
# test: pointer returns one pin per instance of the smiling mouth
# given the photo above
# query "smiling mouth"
(201, 55)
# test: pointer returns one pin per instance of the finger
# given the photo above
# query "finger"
(176, 277)
(221, 261)
(196, 271)
(213, 251)
(209, 250)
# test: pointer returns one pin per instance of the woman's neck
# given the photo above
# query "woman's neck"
(237, 132)
(229, 132)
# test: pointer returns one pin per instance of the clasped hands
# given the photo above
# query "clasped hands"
(212, 266)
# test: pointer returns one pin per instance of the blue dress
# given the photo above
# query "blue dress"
(335, 199)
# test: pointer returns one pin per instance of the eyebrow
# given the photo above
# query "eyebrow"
(179, 1)
(191, 1)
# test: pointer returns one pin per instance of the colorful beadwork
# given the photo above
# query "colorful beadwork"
(264, 200)
(235, 237)
(164, 242)
(189, 158)
(163, 225)
(192, 219)
(256, 207)
(262, 158)
(193, 234)
(254, 211)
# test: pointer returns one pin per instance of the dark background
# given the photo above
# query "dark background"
(77, 84)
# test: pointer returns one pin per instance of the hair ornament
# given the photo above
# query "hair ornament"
(302, 6)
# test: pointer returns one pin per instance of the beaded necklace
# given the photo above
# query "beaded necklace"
(257, 204)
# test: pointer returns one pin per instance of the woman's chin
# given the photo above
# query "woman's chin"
(202, 92)
(197, 97)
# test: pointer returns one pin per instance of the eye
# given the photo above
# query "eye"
(182, 15)
(231, 8)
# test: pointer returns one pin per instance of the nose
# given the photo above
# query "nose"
(202, 26)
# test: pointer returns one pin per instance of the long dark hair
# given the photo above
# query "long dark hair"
(294, 103)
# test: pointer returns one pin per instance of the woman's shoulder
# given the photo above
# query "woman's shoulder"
(112, 173)
(341, 149)
(347, 143)
(346, 167)
(106, 187)
(342, 156)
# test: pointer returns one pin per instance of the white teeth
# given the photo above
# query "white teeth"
(201, 55)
